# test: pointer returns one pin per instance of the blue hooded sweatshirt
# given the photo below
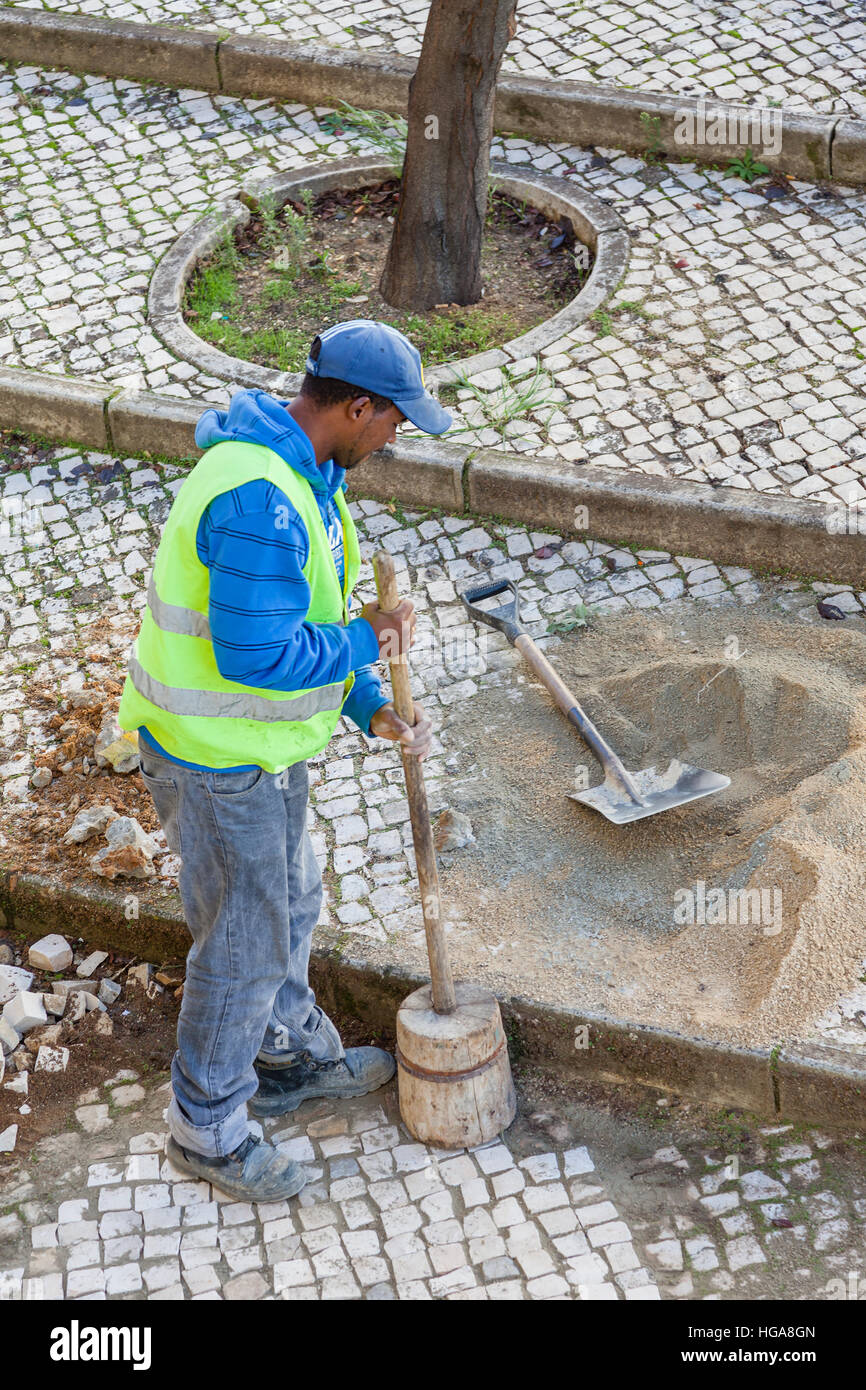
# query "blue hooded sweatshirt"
(259, 597)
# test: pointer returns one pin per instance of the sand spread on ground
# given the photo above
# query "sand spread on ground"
(555, 903)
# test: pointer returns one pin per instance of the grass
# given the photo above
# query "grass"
(511, 400)
(390, 133)
(603, 318)
(654, 151)
(731, 1131)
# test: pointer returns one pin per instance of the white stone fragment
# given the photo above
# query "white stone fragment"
(50, 953)
(9, 1037)
(25, 1011)
(93, 820)
(115, 747)
(12, 981)
(90, 964)
(52, 1059)
(109, 991)
(67, 987)
(8, 1138)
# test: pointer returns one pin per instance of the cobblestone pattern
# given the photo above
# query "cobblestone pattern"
(380, 1217)
(383, 1217)
(100, 521)
(813, 55)
(729, 356)
(758, 1215)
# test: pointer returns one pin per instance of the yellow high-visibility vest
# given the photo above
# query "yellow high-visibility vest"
(174, 686)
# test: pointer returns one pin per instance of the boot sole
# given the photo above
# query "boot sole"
(239, 1190)
(284, 1105)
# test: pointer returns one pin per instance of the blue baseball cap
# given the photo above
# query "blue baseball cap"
(379, 358)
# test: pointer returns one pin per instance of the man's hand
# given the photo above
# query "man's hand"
(386, 723)
(395, 630)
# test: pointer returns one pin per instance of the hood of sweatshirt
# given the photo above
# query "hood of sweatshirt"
(254, 417)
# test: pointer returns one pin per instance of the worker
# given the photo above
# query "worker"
(245, 660)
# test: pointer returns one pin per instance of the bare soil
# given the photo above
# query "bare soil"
(528, 274)
(144, 1040)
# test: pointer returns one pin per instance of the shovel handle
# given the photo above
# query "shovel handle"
(444, 998)
(567, 702)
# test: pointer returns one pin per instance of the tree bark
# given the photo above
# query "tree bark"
(435, 251)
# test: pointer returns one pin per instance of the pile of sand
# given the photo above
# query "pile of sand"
(554, 902)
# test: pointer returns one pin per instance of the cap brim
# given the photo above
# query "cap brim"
(425, 412)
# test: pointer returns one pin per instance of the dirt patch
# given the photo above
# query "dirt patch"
(278, 290)
(143, 1041)
(555, 902)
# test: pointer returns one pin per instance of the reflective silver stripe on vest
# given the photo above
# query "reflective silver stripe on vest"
(226, 704)
(170, 617)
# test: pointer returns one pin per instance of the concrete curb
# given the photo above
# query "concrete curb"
(143, 52)
(139, 423)
(683, 517)
(813, 147)
(796, 1084)
(166, 293)
(722, 524)
(595, 223)
(54, 407)
(848, 152)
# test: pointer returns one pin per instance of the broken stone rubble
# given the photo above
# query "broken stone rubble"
(115, 747)
(52, 1059)
(25, 1011)
(93, 820)
(129, 852)
(453, 831)
(30, 1025)
(9, 1038)
(12, 980)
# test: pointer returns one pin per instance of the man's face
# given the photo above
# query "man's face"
(365, 432)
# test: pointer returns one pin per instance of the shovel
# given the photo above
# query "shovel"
(623, 796)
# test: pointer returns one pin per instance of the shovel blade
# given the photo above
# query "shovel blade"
(658, 791)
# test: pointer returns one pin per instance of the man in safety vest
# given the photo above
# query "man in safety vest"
(245, 660)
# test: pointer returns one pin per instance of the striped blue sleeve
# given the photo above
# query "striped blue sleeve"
(259, 597)
(365, 697)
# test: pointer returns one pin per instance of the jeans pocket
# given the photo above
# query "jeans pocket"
(164, 795)
(232, 785)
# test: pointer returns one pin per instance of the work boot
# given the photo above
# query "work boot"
(254, 1172)
(284, 1088)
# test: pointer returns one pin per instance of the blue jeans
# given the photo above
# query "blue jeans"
(251, 891)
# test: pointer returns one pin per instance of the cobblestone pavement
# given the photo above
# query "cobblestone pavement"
(813, 55)
(85, 571)
(576, 1203)
(729, 355)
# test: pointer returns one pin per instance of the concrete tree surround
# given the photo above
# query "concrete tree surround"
(595, 224)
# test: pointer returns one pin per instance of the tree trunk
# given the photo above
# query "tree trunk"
(435, 251)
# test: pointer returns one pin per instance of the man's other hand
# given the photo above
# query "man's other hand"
(386, 723)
